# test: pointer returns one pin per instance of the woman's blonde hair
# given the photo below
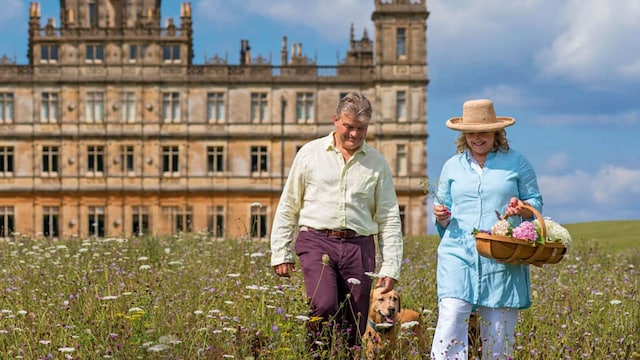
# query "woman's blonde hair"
(501, 143)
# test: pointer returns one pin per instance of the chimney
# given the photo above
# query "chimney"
(247, 53)
(284, 56)
(242, 51)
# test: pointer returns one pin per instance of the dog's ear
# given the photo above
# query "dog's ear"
(399, 302)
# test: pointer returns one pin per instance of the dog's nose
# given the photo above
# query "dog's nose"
(392, 310)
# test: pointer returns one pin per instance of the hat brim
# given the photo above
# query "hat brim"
(455, 123)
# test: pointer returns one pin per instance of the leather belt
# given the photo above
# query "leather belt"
(335, 233)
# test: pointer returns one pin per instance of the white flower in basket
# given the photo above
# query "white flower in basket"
(555, 232)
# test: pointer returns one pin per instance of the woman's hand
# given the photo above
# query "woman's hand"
(515, 207)
(442, 215)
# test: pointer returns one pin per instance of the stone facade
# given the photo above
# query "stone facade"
(111, 129)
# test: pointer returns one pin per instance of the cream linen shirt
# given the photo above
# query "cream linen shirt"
(325, 192)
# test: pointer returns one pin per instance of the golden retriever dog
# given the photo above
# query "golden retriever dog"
(389, 326)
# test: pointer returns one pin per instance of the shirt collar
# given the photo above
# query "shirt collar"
(471, 159)
(330, 144)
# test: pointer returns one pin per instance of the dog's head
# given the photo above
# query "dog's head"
(383, 308)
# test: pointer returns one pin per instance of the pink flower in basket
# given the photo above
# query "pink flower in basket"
(525, 231)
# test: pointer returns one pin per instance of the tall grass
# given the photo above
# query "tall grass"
(189, 297)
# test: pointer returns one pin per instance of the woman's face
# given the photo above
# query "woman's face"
(480, 143)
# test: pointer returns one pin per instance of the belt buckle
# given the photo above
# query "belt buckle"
(342, 233)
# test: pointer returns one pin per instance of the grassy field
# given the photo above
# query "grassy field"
(614, 236)
(189, 297)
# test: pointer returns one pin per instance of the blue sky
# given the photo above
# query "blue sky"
(568, 71)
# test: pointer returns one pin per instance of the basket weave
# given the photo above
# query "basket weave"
(518, 251)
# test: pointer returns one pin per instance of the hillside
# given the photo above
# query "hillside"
(613, 235)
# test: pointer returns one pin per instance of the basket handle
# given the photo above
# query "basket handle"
(536, 213)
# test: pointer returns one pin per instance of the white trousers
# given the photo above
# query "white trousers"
(450, 339)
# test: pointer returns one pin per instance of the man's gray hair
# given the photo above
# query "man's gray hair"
(356, 104)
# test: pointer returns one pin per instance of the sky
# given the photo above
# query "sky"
(567, 71)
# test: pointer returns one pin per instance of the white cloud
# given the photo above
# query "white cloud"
(614, 185)
(622, 119)
(556, 162)
(598, 46)
(331, 19)
(565, 189)
(505, 95)
(495, 32)
(611, 193)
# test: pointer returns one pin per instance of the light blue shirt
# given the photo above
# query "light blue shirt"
(325, 192)
(473, 198)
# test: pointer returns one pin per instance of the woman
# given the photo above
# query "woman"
(485, 176)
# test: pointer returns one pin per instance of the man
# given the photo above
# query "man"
(339, 194)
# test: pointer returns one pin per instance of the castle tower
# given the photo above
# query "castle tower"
(110, 32)
(400, 73)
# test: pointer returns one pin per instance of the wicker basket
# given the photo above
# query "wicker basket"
(517, 251)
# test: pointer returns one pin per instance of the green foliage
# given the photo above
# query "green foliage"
(190, 297)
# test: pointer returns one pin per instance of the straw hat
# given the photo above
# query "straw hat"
(479, 116)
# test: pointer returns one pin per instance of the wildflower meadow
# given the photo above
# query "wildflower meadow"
(192, 297)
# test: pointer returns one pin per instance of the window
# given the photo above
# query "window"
(403, 213)
(128, 107)
(95, 54)
(50, 221)
(401, 159)
(304, 107)
(136, 52)
(215, 159)
(215, 107)
(127, 159)
(258, 107)
(95, 107)
(7, 221)
(258, 159)
(171, 53)
(95, 159)
(49, 108)
(401, 106)
(93, 13)
(140, 220)
(6, 160)
(170, 160)
(6, 107)
(171, 107)
(181, 220)
(215, 221)
(48, 54)
(258, 222)
(96, 221)
(401, 40)
(50, 160)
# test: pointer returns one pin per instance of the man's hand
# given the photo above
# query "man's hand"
(386, 283)
(284, 269)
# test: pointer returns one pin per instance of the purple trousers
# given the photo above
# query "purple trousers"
(328, 284)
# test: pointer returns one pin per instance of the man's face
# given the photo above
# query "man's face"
(350, 132)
